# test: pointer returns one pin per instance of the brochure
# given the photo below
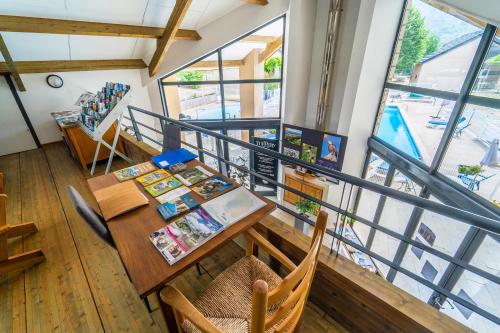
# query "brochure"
(187, 232)
(163, 186)
(193, 176)
(153, 177)
(212, 186)
(134, 171)
(173, 194)
(233, 206)
(177, 206)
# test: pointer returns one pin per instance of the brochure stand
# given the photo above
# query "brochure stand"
(115, 115)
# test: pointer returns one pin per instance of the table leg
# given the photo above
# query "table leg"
(168, 315)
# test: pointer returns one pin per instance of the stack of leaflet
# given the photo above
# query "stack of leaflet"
(185, 234)
(165, 160)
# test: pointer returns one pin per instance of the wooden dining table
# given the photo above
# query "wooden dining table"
(146, 267)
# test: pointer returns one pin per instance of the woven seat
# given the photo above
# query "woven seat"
(227, 302)
(249, 296)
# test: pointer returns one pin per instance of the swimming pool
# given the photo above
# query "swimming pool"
(394, 131)
(232, 111)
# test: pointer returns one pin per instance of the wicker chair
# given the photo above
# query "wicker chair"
(249, 296)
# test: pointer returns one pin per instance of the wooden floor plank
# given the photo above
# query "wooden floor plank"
(83, 286)
(118, 303)
(58, 297)
(13, 310)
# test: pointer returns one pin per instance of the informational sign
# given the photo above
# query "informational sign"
(265, 165)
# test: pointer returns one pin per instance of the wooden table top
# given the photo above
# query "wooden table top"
(145, 265)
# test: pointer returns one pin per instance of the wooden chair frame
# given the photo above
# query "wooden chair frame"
(288, 298)
(18, 261)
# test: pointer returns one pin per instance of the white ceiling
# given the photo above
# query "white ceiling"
(31, 46)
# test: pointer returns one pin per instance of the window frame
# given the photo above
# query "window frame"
(221, 81)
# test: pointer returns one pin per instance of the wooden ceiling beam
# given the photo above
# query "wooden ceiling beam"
(54, 66)
(258, 39)
(180, 9)
(70, 27)
(214, 64)
(270, 49)
(257, 2)
(10, 65)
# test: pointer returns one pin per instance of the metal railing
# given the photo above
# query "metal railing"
(349, 185)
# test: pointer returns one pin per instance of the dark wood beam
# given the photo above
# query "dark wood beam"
(178, 13)
(12, 70)
(53, 66)
(70, 27)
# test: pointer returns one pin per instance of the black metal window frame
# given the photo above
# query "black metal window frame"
(221, 82)
(434, 183)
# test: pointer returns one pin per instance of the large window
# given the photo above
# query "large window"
(437, 136)
(241, 80)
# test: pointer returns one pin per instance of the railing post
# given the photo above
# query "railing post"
(199, 144)
(138, 135)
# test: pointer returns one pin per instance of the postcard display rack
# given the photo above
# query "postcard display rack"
(97, 133)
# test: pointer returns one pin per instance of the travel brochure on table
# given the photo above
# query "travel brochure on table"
(183, 235)
(134, 171)
(153, 177)
(212, 186)
(192, 176)
(163, 186)
(190, 231)
(177, 206)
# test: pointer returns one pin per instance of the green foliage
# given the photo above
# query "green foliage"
(493, 60)
(350, 221)
(190, 76)
(417, 42)
(432, 44)
(469, 170)
(272, 65)
(305, 206)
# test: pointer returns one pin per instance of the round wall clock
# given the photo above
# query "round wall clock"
(55, 81)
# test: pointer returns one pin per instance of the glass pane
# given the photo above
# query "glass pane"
(487, 256)
(252, 100)
(257, 56)
(488, 80)
(198, 102)
(385, 246)
(413, 123)
(472, 156)
(480, 292)
(240, 156)
(435, 49)
(413, 287)
(206, 69)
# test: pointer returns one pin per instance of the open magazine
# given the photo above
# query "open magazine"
(190, 231)
(185, 234)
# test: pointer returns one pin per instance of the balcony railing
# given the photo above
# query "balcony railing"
(348, 186)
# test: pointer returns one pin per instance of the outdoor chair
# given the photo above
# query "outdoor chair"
(473, 183)
(249, 296)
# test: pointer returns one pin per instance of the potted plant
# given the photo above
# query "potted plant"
(305, 207)
(469, 170)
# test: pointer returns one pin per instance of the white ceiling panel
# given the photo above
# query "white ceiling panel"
(157, 16)
(30, 46)
(216, 9)
(100, 47)
(50, 9)
(191, 20)
(109, 11)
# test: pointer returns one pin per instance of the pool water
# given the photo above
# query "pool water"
(394, 131)
(232, 111)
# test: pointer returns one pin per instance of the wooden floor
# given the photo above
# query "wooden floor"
(82, 287)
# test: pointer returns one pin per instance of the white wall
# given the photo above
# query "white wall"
(14, 134)
(217, 33)
(40, 99)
